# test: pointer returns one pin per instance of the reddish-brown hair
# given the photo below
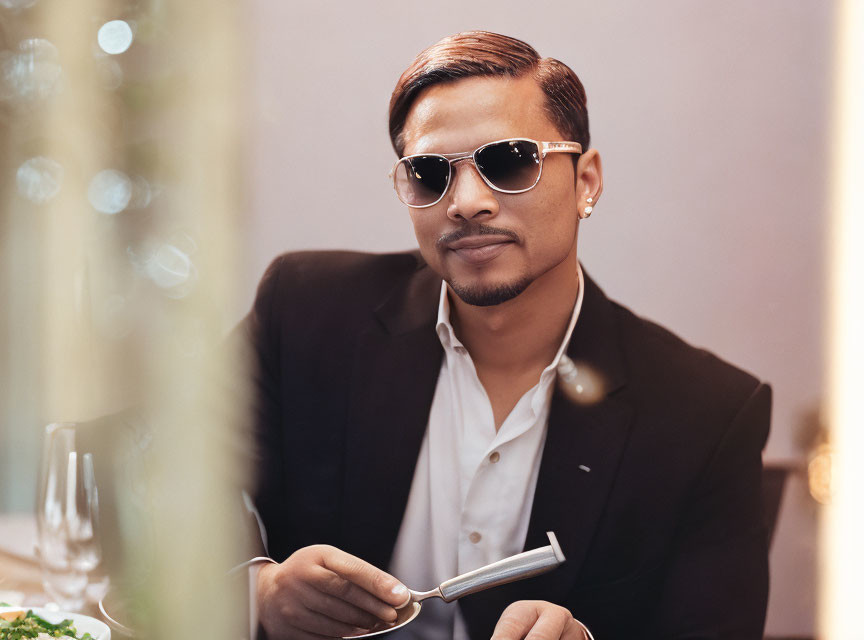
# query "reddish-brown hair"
(482, 53)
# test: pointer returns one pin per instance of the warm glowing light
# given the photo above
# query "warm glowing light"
(110, 191)
(843, 525)
(115, 37)
(39, 179)
(580, 382)
(819, 478)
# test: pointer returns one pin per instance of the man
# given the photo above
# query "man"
(427, 429)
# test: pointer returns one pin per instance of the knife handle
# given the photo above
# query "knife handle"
(523, 565)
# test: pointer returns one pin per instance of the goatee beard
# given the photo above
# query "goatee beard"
(491, 295)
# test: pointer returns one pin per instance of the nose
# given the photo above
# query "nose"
(469, 195)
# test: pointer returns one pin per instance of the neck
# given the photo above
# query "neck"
(525, 332)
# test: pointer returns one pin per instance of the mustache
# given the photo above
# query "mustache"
(475, 230)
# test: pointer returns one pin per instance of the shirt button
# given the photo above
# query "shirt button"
(494, 457)
(474, 537)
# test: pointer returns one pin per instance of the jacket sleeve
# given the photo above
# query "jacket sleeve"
(261, 334)
(717, 581)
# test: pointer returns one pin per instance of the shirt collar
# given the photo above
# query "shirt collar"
(449, 341)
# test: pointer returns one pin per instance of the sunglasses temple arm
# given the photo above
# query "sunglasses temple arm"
(560, 147)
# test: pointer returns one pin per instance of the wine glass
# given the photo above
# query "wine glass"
(67, 518)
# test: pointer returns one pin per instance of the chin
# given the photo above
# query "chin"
(488, 295)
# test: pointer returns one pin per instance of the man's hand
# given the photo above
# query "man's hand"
(321, 591)
(537, 620)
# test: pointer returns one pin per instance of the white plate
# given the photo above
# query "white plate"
(83, 624)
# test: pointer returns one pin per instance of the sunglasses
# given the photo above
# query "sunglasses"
(508, 166)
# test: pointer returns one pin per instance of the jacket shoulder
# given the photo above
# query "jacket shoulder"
(307, 295)
(342, 269)
(659, 359)
(317, 280)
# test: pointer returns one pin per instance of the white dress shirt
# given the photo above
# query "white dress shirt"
(473, 486)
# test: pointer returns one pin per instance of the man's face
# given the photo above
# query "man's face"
(490, 246)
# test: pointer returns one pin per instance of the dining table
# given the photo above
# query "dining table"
(21, 574)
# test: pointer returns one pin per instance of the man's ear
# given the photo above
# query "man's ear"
(589, 178)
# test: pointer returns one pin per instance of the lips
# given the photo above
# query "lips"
(480, 249)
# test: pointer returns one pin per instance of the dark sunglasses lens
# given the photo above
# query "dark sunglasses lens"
(421, 180)
(511, 165)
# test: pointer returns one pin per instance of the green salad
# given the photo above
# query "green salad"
(33, 626)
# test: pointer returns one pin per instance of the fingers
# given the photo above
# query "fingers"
(368, 577)
(321, 624)
(321, 592)
(333, 584)
(550, 625)
(537, 620)
(516, 621)
(338, 609)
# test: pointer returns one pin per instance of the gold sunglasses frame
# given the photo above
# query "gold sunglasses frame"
(452, 158)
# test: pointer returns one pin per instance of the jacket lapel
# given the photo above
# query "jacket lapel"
(582, 434)
(396, 366)
(395, 371)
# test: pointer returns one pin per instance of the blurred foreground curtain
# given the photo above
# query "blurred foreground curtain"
(121, 232)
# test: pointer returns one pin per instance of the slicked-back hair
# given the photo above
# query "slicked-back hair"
(483, 53)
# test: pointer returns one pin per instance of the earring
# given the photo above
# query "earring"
(589, 200)
(586, 212)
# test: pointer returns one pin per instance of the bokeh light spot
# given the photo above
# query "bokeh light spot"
(142, 193)
(110, 73)
(110, 191)
(39, 179)
(17, 5)
(169, 267)
(33, 73)
(115, 37)
(580, 382)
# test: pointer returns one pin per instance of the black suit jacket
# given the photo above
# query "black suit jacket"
(664, 535)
